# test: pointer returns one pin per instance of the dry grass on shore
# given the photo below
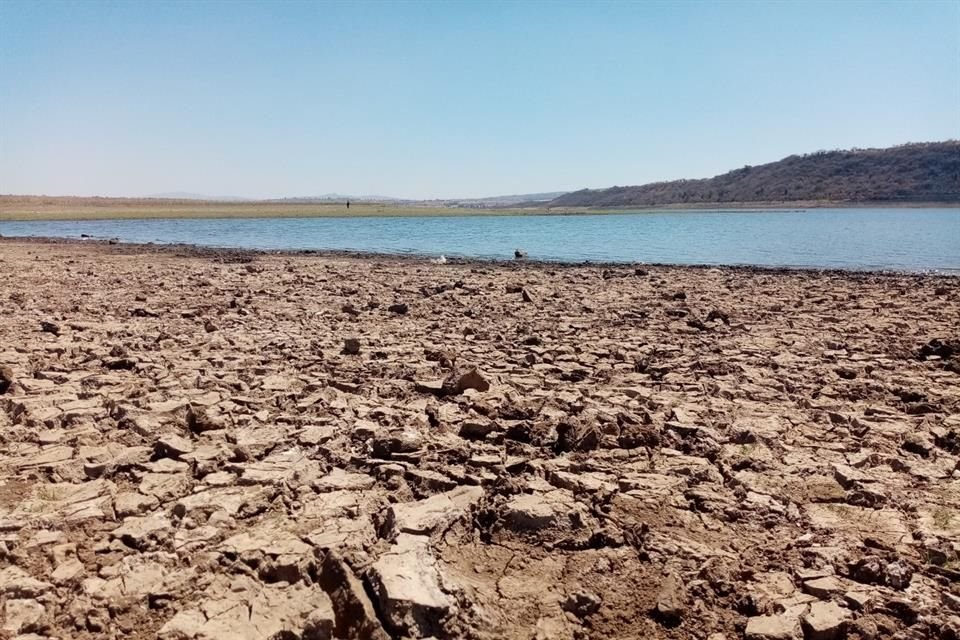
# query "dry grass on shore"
(42, 208)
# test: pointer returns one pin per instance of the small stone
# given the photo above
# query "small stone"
(868, 570)
(823, 588)
(6, 379)
(435, 512)
(351, 346)
(356, 616)
(67, 572)
(866, 628)
(400, 308)
(577, 436)
(174, 446)
(477, 429)
(898, 575)
(17, 583)
(49, 327)
(582, 604)
(528, 296)
(406, 582)
(857, 600)
(919, 443)
(458, 382)
(209, 327)
(825, 621)
(780, 627)
(670, 600)
(21, 614)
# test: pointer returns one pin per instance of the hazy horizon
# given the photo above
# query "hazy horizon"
(468, 100)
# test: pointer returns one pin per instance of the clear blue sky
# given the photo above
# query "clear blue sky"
(455, 98)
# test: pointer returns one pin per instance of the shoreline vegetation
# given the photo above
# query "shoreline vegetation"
(62, 208)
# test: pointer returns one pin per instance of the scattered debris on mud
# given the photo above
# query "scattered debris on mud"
(238, 445)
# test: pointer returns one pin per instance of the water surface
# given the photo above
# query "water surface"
(899, 239)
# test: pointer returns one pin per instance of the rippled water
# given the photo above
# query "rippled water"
(902, 239)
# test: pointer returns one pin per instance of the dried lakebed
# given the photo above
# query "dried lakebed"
(223, 445)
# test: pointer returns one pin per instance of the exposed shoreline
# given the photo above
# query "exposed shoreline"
(240, 254)
(357, 447)
(23, 209)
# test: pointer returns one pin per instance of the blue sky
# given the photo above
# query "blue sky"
(456, 98)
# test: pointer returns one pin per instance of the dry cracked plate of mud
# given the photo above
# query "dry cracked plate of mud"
(222, 445)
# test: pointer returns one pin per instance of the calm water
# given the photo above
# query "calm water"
(902, 239)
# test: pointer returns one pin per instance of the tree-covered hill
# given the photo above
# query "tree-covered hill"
(926, 172)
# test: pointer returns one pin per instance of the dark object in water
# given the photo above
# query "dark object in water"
(519, 255)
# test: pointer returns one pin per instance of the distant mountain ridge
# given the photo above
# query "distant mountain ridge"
(918, 172)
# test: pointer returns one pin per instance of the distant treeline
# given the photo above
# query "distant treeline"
(925, 172)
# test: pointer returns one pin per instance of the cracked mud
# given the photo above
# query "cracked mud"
(226, 445)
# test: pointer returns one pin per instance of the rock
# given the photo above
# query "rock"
(824, 588)
(143, 532)
(21, 614)
(906, 609)
(717, 314)
(577, 436)
(340, 480)
(638, 435)
(45, 537)
(244, 609)
(943, 349)
(209, 326)
(519, 254)
(436, 512)
(200, 419)
(67, 572)
(49, 327)
(528, 296)
(538, 511)
(779, 627)
(400, 308)
(918, 442)
(477, 429)
(866, 628)
(459, 381)
(875, 570)
(825, 621)
(406, 441)
(351, 346)
(582, 604)
(671, 600)
(898, 575)
(6, 379)
(868, 570)
(174, 446)
(17, 583)
(406, 584)
(857, 600)
(355, 614)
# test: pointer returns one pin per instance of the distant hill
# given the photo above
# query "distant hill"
(924, 172)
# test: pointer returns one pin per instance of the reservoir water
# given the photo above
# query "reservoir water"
(898, 239)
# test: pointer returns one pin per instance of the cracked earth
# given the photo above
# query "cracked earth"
(229, 445)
